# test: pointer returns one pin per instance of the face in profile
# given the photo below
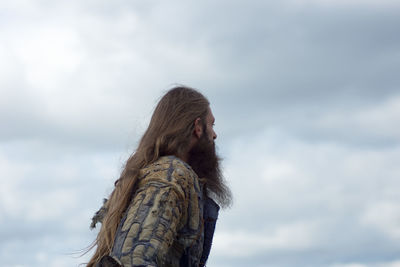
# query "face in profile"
(209, 126)
(202, 157)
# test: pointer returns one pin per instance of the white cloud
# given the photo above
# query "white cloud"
(379, 264)
(349, 265)
(276, 170)
(348, 3)
(379, 120)
(385, 216)
(48, 54)
(245, 243)
(12, 177)
(390, 264)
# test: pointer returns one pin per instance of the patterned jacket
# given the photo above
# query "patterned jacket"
(169, 222)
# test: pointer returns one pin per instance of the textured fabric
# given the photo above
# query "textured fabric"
(164, 225)
(108, 261)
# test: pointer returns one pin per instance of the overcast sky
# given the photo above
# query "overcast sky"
(306, 95)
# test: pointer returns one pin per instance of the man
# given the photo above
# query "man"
(161, 212)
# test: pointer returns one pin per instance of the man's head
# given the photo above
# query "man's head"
(171, 127)
(182, 125)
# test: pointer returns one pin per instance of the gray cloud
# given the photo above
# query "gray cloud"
(305, 96)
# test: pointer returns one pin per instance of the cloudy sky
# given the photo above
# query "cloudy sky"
(306, 95)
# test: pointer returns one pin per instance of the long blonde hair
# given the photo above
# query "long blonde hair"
(169, 133)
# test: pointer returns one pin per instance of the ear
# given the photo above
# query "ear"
(198, 128)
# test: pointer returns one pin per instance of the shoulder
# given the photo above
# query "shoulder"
(170, 170)
(169, 167)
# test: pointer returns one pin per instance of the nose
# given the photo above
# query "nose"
(214, 135)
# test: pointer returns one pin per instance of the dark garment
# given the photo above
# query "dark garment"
(210, 219)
